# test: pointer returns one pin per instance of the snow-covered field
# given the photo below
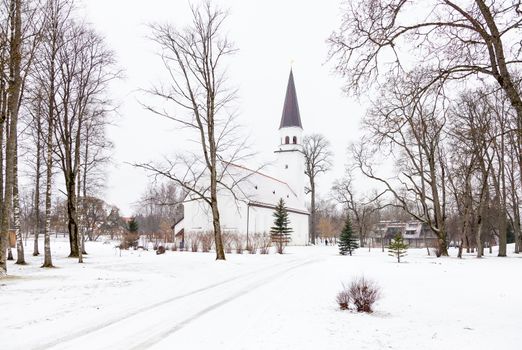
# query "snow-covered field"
(183, 300)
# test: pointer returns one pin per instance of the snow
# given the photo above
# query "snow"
(190, 301)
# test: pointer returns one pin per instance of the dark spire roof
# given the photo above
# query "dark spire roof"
(291, 115)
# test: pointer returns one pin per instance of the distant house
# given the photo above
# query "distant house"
(415, 233)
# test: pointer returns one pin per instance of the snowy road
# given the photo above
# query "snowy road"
(145, 327)
(189, 301)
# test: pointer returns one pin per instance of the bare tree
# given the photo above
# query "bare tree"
(487, 34)
(452, 40)
(197, 99)
(35, 136)
(318, 160)
(86, 67)
(57, 14)
(407, 126)
(12, 95)
(363, 209)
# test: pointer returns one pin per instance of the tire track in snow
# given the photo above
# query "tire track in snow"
(248, 289)
(120, 318)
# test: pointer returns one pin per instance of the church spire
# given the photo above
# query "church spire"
(290, 117)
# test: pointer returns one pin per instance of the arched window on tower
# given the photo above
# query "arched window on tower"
(287, 140)
(295, 140)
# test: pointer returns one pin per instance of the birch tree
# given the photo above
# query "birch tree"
(12, 96)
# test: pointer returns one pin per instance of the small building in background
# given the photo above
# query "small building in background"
(415, 233)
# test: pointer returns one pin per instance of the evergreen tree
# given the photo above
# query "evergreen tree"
(133, 226)
(132, 235)
(347, 240)
(280, 232)
(397, 247)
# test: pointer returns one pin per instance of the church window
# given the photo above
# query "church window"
(295, 140)
(287, 140)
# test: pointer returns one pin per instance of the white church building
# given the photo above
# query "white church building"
(262, 190)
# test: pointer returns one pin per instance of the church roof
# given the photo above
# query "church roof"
(290, 115)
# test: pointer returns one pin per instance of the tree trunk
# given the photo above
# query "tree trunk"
(478, 238)
(312, 209)
(20, 257)
(37, 225)
(72, 225)
(3, 234)
(48, 262)
(14, 91)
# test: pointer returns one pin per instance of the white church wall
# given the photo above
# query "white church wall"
(198, 218)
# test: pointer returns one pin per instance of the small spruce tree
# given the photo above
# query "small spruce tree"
(347, 240)
(280, 232)
(397, 247)
(132, 235)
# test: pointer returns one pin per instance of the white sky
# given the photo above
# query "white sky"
(269, 35)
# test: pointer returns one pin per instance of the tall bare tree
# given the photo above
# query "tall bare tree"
(452, 40)
(318, 160)
(13, 93)
(197, 99)
(407, 125)
(57, 21)
(86, 67)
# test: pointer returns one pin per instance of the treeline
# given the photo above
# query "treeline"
(446, 113)
(158, 210)
(55, 70)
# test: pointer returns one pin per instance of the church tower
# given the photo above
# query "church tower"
(290, 159)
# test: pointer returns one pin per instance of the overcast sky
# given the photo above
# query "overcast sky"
(270, 35)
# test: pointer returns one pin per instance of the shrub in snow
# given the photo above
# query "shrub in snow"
(397, 247)
(363, 293)
(253, 244)
(226, 237)
(343, 299)
(264, 243)
(192, 240)
(160, 250)
(207, 240)
(238, 243)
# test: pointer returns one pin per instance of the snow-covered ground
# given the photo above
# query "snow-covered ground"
(183, 300)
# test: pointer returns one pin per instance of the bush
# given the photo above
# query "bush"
(238, 243)
(160, 250)
(207, 240)
(265, 242)
(253, 244)
(130, 240)
(363, 293)
(227, 242)
(192, 240)
(343, 299)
